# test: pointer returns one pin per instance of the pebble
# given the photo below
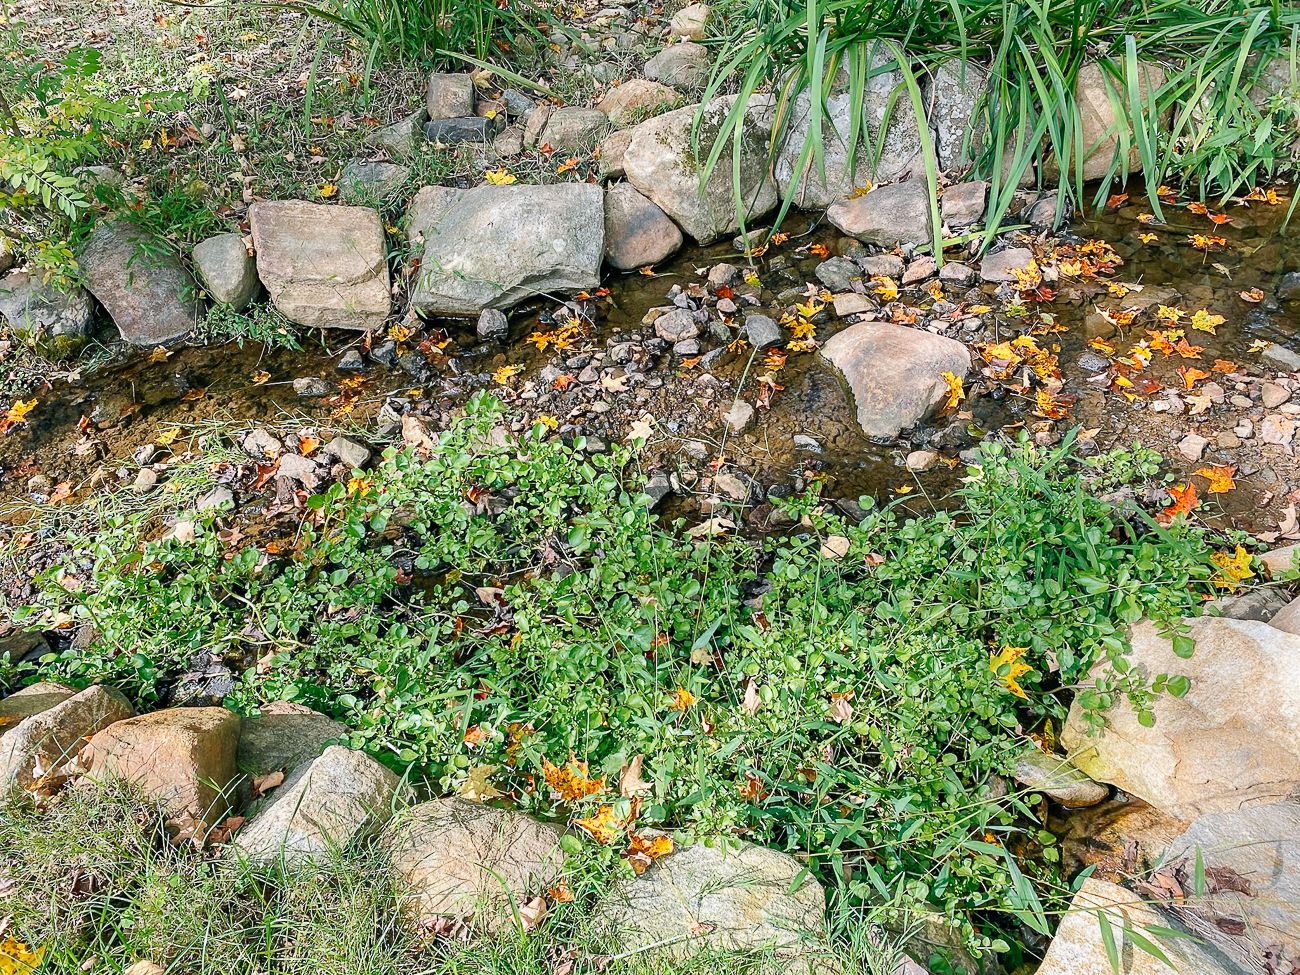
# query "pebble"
(1091, 362)
(351, 361)
(1227, 440)
(804, 442)
(219, 497)
(740, 417)
(921, 269)
(493, 325)
(922, 460)
(762, 332)
(1244, 428)
(1273, 395)
(721, 275)
(1192, 446)
(1241, 402)
(312, 387)
(1277, 430)
(732, 486)
(687, 347)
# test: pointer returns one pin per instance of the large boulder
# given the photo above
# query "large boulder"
(137, 278)
(896, 373)
(637, 232)
(41, 744)
(1251, 863)
(900, 152)
(1079, 947)
(737, 897)
(888, 215)
(951, 93)
(322, 265)
(665, 159)
(326, 803)
(1232, 740)
(461, 858)
(32, 699)
(495, 246)
(227, 270)
(183, 758)
(53, 321)
(284, 736)
(1093, 93)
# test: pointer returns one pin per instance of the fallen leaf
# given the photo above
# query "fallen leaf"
(1185, 500)
(1254, 296)
(642, 429)
(477, 786)
(751, 701)
(1007, 666)
(644, 850)
(682, 699)
(604, 826)
(1220, 477)
(571, 781)
(630, 781)
(263, 784)
(841, 709)
(835, 547)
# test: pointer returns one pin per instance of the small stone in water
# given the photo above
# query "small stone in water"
(687, 347)
(1092, 362)
(493, 325)
(1226, 441)
(804, 442)
(1244, 428)
(351, 361)
(1241, 402)
(922, 460)
(1273, 395)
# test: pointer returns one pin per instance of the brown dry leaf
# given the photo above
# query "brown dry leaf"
(644, 850)
(614, 384)
(841, 709)
(752, 702)
(630, 781)
(415, 434)
(604, 827)
(1185, 500)
(159, 354)
(835, 547)
(531, 913)
(262, 784)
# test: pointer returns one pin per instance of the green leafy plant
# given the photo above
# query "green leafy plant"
(1204, 125)
(494, 611)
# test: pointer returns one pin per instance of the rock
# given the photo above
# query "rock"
(921, 460)
(838, 273)
(216, 499)
(509, 143)
(887, 216)
(637, 232)
(738, 897)
(1233, 739)
(283, 737)
(1094, 89)
(676, 326)
(885, 265)
(1277, 430)
(499, 245)
(721, 275)
(951, 93)
(1260, 846)
(689, 22)
(899, 153)
(227, 270)
(323, 266)
(261, 444)
(1288, 287)
(90, 179)
(1254, 604)
(149, 296)
(1273, 395)
(350, 454)
(493, 326)
(366, 182)
(6, 255)
(326, 804)
(636, 100)
(575, 130)
(921, 269)
(55, 322)
(1280, 560)
(312, 387)
(762, 332)
(32, 699)
(657, 487)
(1057, 778)
(1116, 837)
(184, 758)
(1281, 358)
(1192, 446)
(1091, 362)
(535, 124)
(1079, 949)
(739, 418)
(459, 857)
(611, 153)
(731, 487)
(449, 96)
(42, 743)
(895, 372)
(687, 348)
(852, 303)
(662, 162)
(30, 645)
(454, 131)
(1000, 267)
(962, 206)
(684, 65)
(298, 468)
(403, 137)
(958, 275)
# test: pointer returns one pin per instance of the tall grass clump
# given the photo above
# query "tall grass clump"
(1208, 126)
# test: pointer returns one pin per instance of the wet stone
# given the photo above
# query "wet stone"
(921, 269)
(493, 325)
(838, 273)
(677, 326)
(762, 332)
(1091, 362)
(957, 274)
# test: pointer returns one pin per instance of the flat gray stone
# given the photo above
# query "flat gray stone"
(141, 284)
(499, 245)
(887, 216)
(280, 738)
(403, 137)
(366, 181)
(347, 451)
(1000, 267)
(685, 65)
(573, 130)
(449, 96)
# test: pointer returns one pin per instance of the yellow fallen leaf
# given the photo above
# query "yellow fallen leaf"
(1007, 666)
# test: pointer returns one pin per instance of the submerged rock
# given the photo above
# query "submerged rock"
(896, 373)
(1232, 740)
(662, 162)
(495, 246)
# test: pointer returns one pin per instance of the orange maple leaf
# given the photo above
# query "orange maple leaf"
(1184, 501)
